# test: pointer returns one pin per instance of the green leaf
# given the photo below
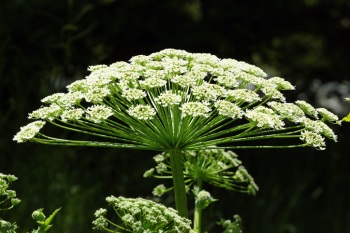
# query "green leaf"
(347, 118)
(50, 218)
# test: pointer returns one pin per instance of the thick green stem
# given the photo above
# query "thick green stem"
(179, 183)
(197, 221)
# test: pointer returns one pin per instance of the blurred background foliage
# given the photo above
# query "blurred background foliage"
(45, 45)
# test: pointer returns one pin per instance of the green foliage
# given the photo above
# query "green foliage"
(43, 222)
(9, 196)
(7, 201)
(232, 226)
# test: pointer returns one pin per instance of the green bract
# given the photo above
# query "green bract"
(175, 100)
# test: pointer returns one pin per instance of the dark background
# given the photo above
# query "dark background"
(45, 45)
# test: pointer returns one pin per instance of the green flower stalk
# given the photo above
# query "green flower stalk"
(215, 167)
(140, 216)
(174, 101)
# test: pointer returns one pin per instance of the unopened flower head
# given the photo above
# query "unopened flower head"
(141, 215)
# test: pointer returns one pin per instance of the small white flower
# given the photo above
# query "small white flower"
(251, 69)
(133, 94)
(318, 127)
(287, 110)
(140, 59)
(81, 86)
(161, 167)
(142, 112)
(208, 92)
(47, 113)
(206, 58)
(281, 84)
(159, 158)
(73, 114)
(153, 82)
(128, 218)
(189, 79)
(96, 95)
(70, 99)
(100, 212)
(29, 131)
(227, 79)
(328, 116)
(264, 120)
(226, 108)
(96, 67)
(195, 109)
(313, 139)
(307, 108)
(52, 98)
(271, 91)
(168, 99)
(242, 95)
(98, 113)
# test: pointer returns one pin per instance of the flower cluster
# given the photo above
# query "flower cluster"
(216, 167)
(141, 216)
(174, 99)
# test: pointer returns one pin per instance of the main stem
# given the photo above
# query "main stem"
(179, 182)
(197, 222)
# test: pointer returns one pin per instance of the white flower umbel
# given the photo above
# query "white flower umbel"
(98, 113)
(177, 101)
(29, 131)
(328, 116)
(168, 99)
(72, 114)
(313, 139)
(195, 109)
(142, 112)
(307, 108)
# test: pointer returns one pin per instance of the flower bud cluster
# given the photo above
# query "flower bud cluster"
(141, 215)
